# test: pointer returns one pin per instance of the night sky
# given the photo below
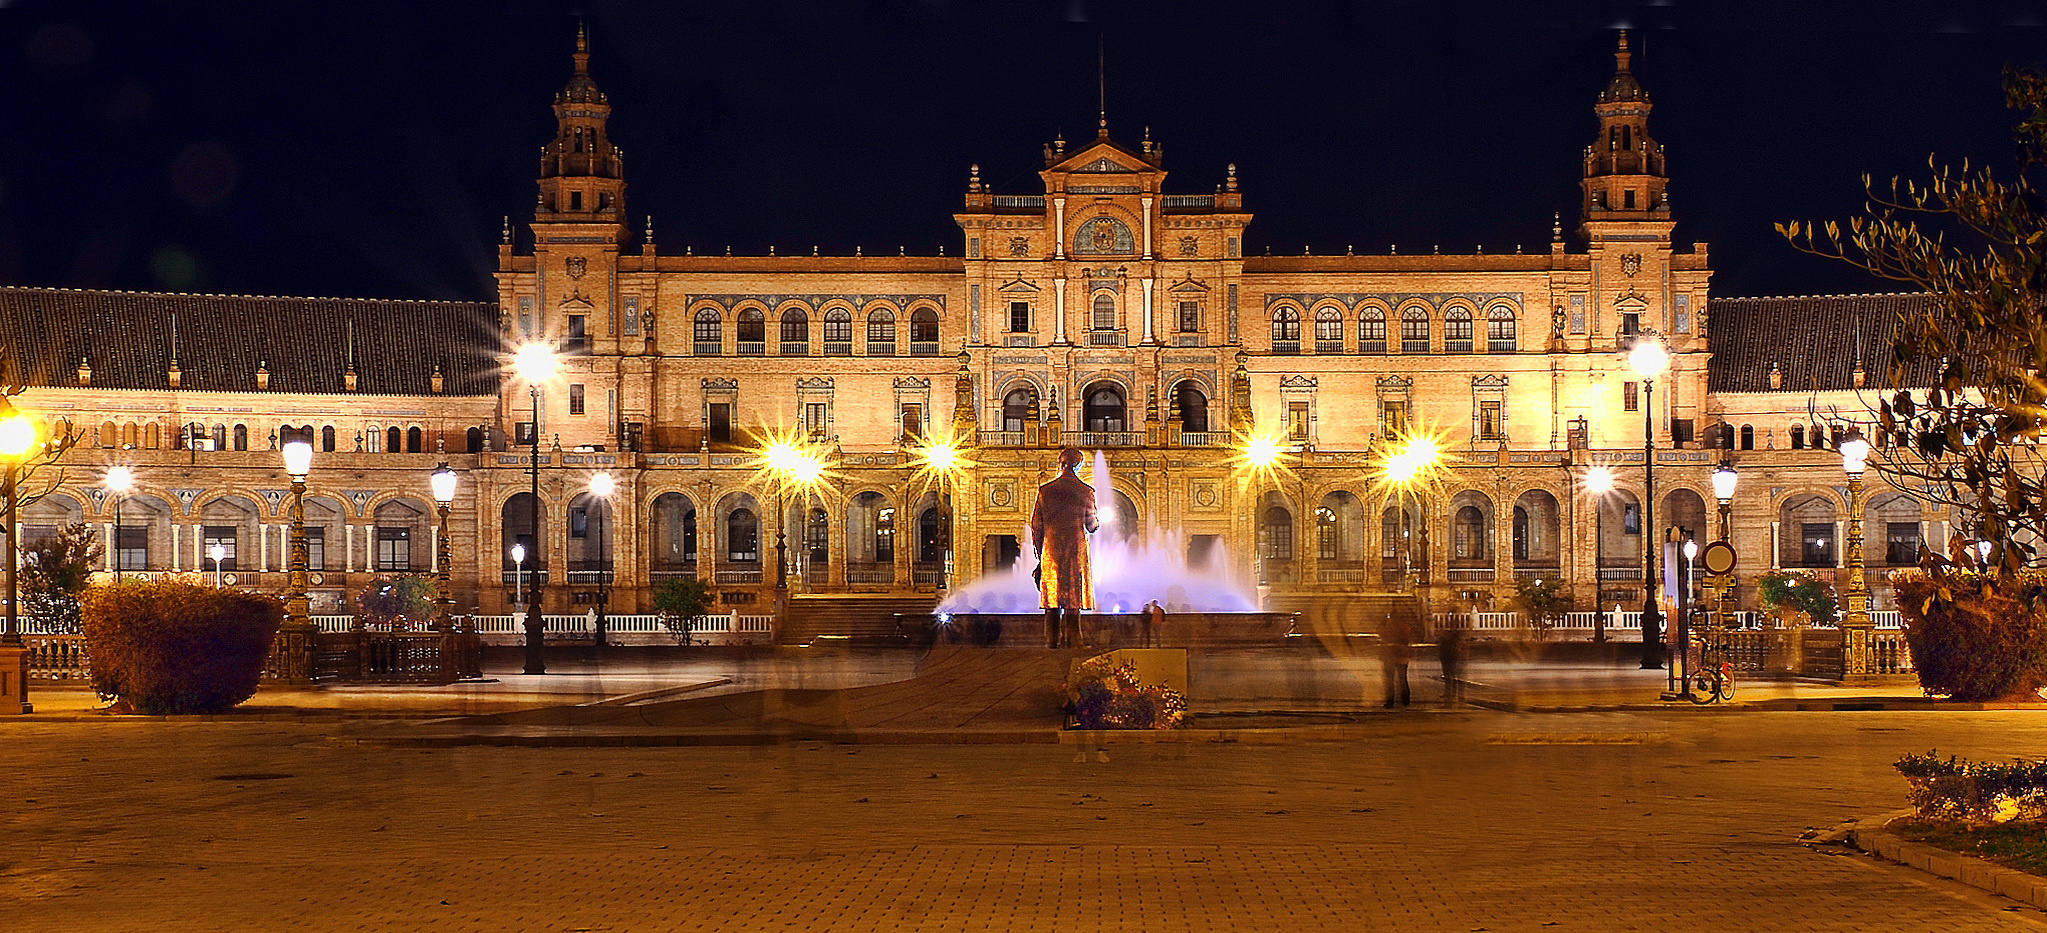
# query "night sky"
(370, 150)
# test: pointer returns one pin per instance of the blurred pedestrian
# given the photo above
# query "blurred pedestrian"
(1154, 623)
(1396, 649)
(1450, 645)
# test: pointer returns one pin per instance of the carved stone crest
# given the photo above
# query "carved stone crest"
(577, 265)
(1189, 245)
(1631, 263)
(1019, 246)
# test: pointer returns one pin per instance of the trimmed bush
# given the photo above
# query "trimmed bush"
(1975, 792)
(1975, 637)
(169, 647)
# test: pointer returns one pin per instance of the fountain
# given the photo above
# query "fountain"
(1205, 604)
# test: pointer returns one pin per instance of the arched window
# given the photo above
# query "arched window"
(675, 533)
(1192, 407)
(1103, 411)
(326, 439)
(708, 333)
(1499, 331)
(930, 537)
(241, 437)
(1102, 331)
(1798, 437)
(130, 437)
(415, 441)
(154, 437)
(518, 519)
(1468, 537)
(1372, 331)
(1520, 533)
(838, 332)
(752, 331)
(1414, 331)
(108, 436)
(1016, 409)
(795, 333)
(474, 437)
(1748, 437)
(1328, 331)
(1457, 331)
(1286, 331)
(1325, 533)
(1276, 533)
(881, 333)
(817, 538)
(219, 437)
(923, 332)
(394, 441)
(742, 537)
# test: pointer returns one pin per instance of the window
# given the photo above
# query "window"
(817, 418)
(316, 548)
(1748, 437)
(752, 331)
(881, 333)
(1457, 331)
(132, 547)
(1192, 407)
(1102, 331)
(1286, 331)
(579, 522)
(1278, 534)
(913, 422)
(223, 535)
(241, 437)
(720, 427)
(885, 536)
(576, 398)
(1190, 317)
(923, 332)
(708, 333)
(414, 440)
(394, 440)
(817, 537)
(1019, 317)
(1816, 544)
(1499, 331)
(219, 437)
(1393, 418)
(1467, 541)
(1414, 331)
(838, 332)
(575, 200)
(1628, 199)
(1325, 533)
(1016, 409)
(795, 333)
(930, 537)
(1372, 331)
(1901, 543)
(1681, 430)
(1520, 533)
(326, 439)
(1798, 437)
(1631, 399)
(522, 433)
(1103, 410)
(1631, 323)
(394, 549)
(1489, 421)
(742, 537)
(579, 329)
(1297, 421)
(1329, 331)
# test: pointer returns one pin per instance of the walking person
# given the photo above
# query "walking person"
(1450, 645)
(1154, 622)
(1396, 649)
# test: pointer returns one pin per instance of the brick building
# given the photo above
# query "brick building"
(1105, 310)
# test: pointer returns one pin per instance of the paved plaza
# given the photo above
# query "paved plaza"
(1438, 819)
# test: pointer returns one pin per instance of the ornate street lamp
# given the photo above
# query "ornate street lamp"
(1855, 624)
(216, 553)
(941, 461)
(788, 462)
(519, 575)
(443, 481)
(1649, 360)
(1724, 479)
(18, 436)
(601, 488)
(1410, 469)
(118, 481)
(295, 638)
(1598, 481)
(536, 364)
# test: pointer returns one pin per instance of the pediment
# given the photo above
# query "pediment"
(1187, 285)
(1018, 286)
(1104, 157)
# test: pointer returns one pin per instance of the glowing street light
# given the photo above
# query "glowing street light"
(787, 462)
(1724, 479)
(601, 488)
(1649, 359)
(217, 553)
(1599, 480)
(519, 575)
(941, 462)
(1856, 658)
(443, 480)
(17, 438)
(536, 363)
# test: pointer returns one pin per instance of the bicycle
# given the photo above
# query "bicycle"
(1711, 679)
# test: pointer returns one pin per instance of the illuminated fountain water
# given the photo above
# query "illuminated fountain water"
(1131, 568)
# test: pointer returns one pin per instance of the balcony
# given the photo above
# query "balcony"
(1204, 438)
(1372, 346)
(1032, 202)
(795, 348)
(752, 348)
(1112, 439)
(923, 348)
(740, 574)
(926, 574)
(1632, 574)
(1329, 346)
(1105, 338)
(1457, 346)
(838, 348)
(531, 576)
(673, 570)
(877, 348)
(1524, 571)
(1189, 202)
(707, 347)
(1002, 438)
(591, 573)
(1470, 573)
(1501, 346)
(1414, 346)
(1286, 347)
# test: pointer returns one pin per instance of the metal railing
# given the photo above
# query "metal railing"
(1328, 346)
(1287, 347)
(1471, 574)
(870, 573)
(1025, 201)
(795, 348)
(751, 348)
(708, 347)
(1174, 202)
(1625, 574)
(923, 348)
(738, 575)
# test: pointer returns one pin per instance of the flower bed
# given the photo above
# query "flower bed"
(1102, 694)
(2014, 845)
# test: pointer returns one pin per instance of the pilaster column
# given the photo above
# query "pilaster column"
(1059, 311)
(1150, 334)
(1059, 227)
(1146, 200)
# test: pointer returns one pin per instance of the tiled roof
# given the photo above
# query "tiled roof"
(221, 340)
(1814, 339)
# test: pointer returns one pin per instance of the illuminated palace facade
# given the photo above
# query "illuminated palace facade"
(1103, 311)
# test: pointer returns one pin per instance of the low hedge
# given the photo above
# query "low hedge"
(1975, 792)
(170, 646)
(1975, 636)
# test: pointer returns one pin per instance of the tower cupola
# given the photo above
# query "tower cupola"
(582, 175)
(1624, 169)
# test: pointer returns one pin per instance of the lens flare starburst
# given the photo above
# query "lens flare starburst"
(1417, 461)
(1261, 457)
(785, 461)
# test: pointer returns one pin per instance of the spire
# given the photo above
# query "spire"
(1623, 87)
(1625, 177)
(1101, 89)
(582, 174)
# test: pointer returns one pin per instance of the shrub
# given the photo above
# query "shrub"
(680, 600)
(1972, 636)
(400, 603)
(1795, 596)
(54, 574)
(1106, 695)
(167, 647)
(1543, 601)
(1974, 792)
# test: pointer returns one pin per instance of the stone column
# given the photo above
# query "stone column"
(1150, 334)
(1059, 312)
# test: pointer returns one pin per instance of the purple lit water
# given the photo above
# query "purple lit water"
(1131, 567)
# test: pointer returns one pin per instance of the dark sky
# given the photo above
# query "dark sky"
(370, 149)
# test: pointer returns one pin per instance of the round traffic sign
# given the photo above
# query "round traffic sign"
(1717, 558)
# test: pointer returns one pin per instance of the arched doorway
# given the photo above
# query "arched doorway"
(522, 530)
(871, 539)
(1538, 541)
(1191, 405)
(1275, 538)
(1340, 538)
(1103, 409)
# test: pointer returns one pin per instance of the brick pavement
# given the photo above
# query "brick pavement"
(1456, 823)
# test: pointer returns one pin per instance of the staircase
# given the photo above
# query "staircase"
(1347, 613)
(865, 617)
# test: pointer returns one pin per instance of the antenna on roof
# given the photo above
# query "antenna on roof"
(1101, 88)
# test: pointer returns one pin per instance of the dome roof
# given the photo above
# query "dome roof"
(1623, 87)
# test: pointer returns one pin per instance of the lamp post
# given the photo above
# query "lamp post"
(118, 481)
(1408, 470)
(942, 459)
(1684, 616)
(295, 638)
(1724, 479)
(1855, 624)
(17, 439)
(601, 488)
(536, 364)
(217, 553)
(443, 481)
(1598, 482)
(1649, 360)
(519, 574)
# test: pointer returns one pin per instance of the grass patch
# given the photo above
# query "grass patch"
(2020, 845)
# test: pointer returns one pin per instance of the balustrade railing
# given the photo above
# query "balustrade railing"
(1112, 439)
(1203, 438)
(1002, 438)
(738, 575)
(1471, 574)
(865, 573)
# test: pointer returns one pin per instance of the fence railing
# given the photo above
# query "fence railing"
(577, 626)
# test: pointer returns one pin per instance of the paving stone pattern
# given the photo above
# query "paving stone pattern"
(1452, 822)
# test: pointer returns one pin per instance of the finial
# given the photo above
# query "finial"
(506, 234)
(1231, 183)
(1556, 227)
(1059, 143)
(582, 55)
(650, 228)
(858, 252)
(974, 177)
(1101, 89)
(813, 249)
(1622, 55)
(771, 249)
